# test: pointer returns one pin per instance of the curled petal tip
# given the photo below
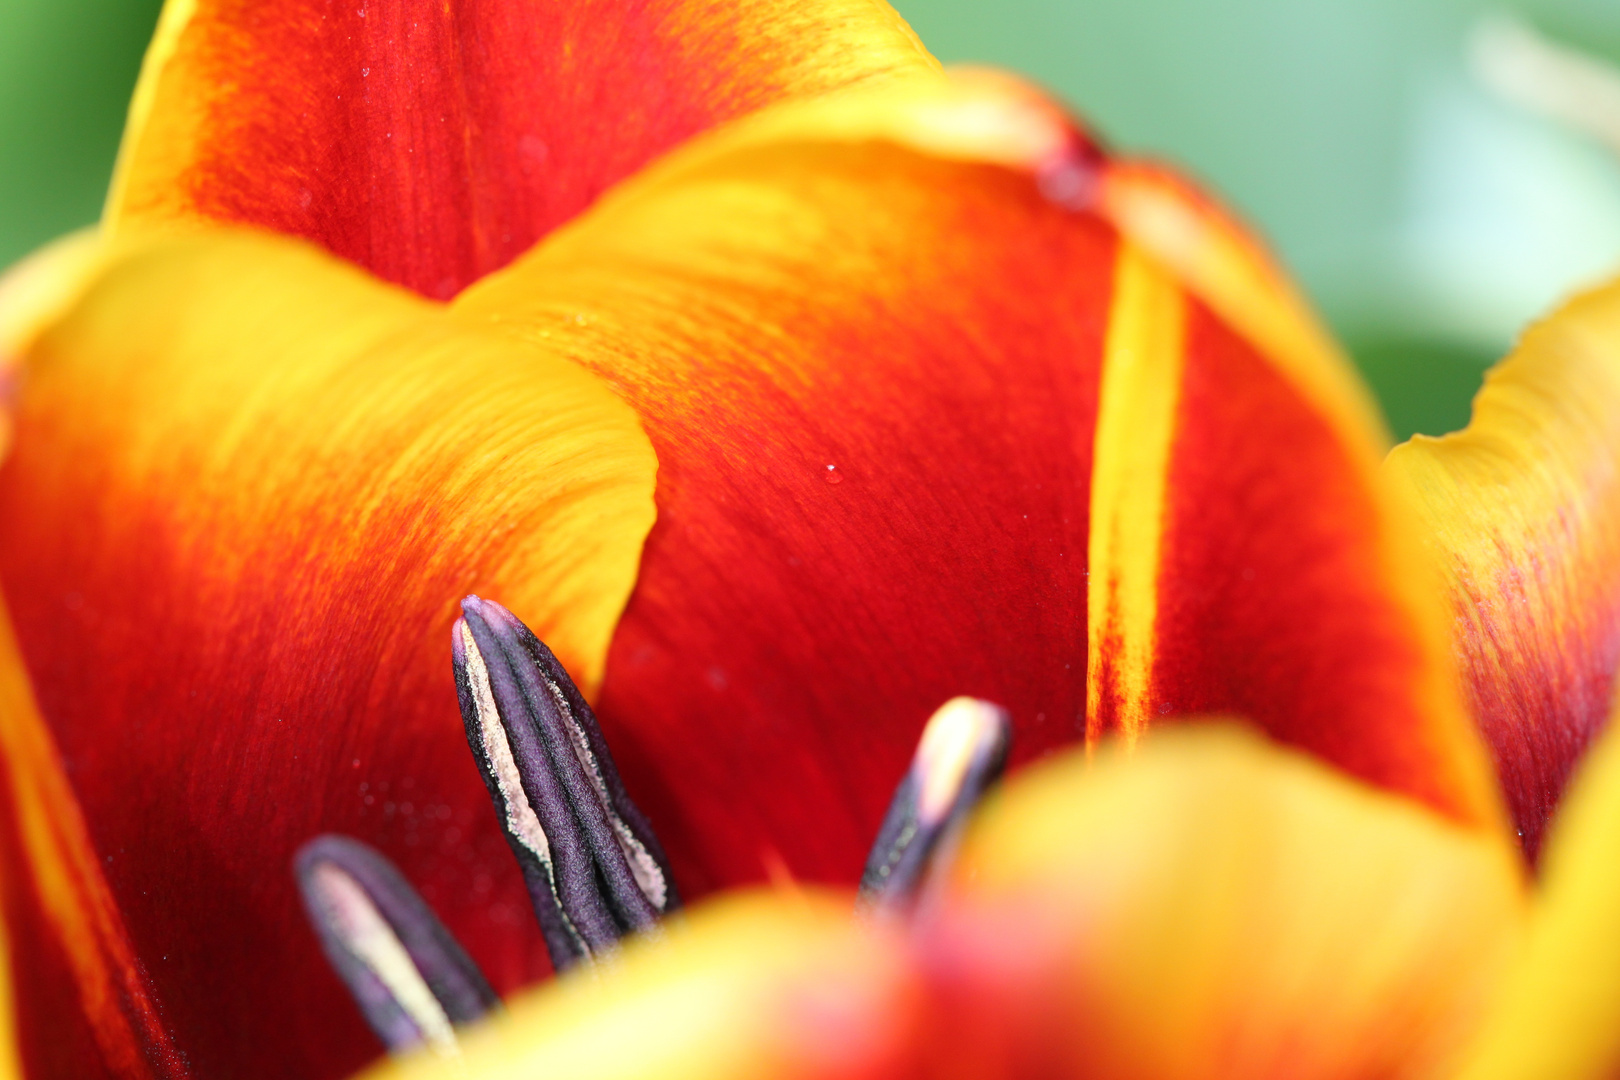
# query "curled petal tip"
(411, 979)
(962, 752)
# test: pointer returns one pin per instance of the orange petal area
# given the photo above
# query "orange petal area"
(249, 486)
(33, 293)
(1213, 906)
(1523, 510)
(1558, 1015)
(896, 391)
(432, 143)
(782, 985)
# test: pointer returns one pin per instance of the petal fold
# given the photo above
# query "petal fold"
(1522, 509)
(249, 486)
(879, 342)
(432, 143)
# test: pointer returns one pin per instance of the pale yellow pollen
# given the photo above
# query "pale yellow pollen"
(358, 924)
(520, 816)
(959, 729)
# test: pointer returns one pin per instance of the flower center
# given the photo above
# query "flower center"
(594, 869)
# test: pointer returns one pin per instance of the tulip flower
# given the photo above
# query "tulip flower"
(786, 387)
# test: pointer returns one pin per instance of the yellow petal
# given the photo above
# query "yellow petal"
(33, 293)
(755, 985)
(1214, 906)
(41, 287)
(1523, 511)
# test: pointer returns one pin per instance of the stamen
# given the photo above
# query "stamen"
(411, 979)
(961, 753)
(594, 869)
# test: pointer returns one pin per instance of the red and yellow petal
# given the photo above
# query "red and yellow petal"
(78, 973)
(1557, 1015)
(249, 486)
(1215, 908)
(433, 144)
(1523, 510)
(909, 389)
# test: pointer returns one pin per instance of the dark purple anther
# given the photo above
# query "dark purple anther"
(411, 979)
(594, 869)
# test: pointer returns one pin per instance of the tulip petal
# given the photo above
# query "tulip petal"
(1215, 907)
(83, 968)
(249, 487)
(868, 337)
(1523, 510)
(33, 294)
(1558, 1015)
(432, 144)
(786, 986)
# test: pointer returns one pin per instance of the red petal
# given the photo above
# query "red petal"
(871, 374)
(432, 146)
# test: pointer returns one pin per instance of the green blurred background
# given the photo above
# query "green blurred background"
(1436, 172)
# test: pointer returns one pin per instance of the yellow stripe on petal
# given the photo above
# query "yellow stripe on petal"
(1223, 265)
(1558, 1017)
(1136, 413)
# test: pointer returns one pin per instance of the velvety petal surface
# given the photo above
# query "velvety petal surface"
(1215, 908)
(84, 1004)
(248, 488)
(1523, 511)
(431, 143)
(913, 378)
(1557, 1016)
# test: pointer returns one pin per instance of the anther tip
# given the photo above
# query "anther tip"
(326, 848)
(490, 612)
(963, 733)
